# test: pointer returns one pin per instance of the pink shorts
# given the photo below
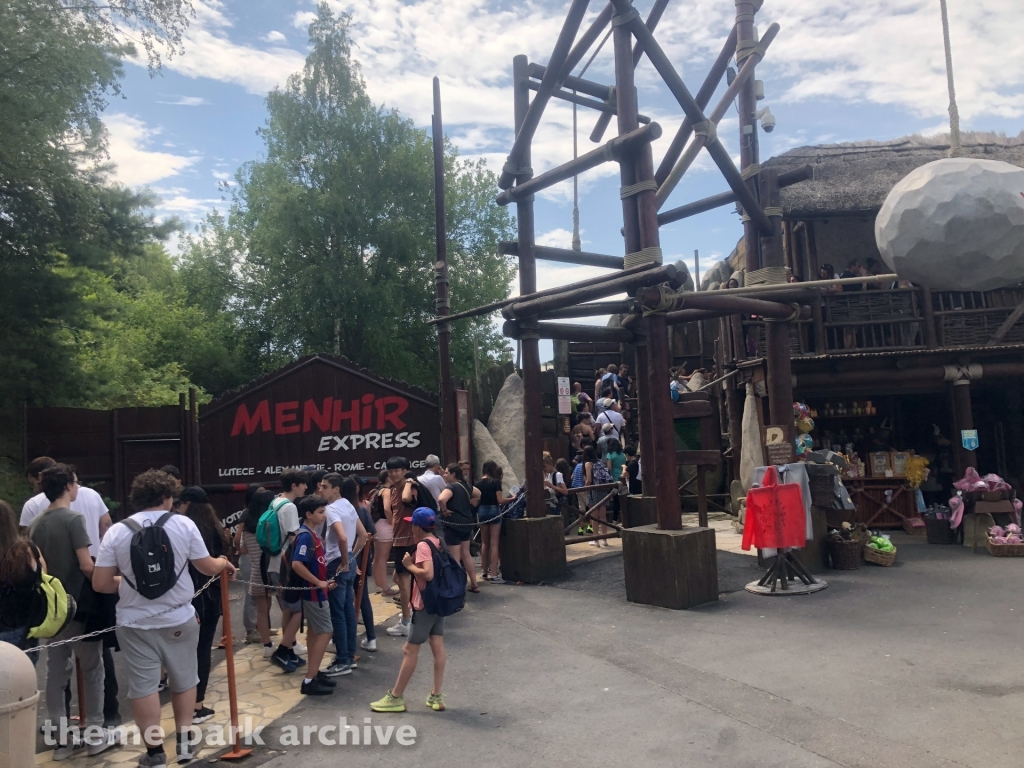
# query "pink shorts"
(384, 531)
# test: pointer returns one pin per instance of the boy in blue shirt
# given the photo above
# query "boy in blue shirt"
(309, 569)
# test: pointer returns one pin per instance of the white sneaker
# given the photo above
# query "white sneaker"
(109, 738)
(299, 648)
(497, 580)
(368, 645)
(268, 651)
(67, 750)
(400, 629)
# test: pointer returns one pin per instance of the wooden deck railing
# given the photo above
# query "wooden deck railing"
(901, 319)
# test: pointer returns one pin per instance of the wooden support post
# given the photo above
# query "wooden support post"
(449, 423)
(735, 410)
(963, 416)
(930, 335)
(780, 365)
(820, 341)
(643, 401)
(534, 441)
(747, 105)
(702, 497)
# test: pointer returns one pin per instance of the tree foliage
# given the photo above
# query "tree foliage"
(332, 234)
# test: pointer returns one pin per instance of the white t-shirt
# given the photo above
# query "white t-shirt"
(133, 608)
(614, 418)
(89, 503)
(435, 483)
(555, 478)
(288, 521)
(340, 511)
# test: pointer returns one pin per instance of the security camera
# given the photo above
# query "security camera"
(767, 119)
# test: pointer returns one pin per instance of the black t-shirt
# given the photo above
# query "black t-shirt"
(632, 470)
(489, 490)
(852, 286)
(459, 505)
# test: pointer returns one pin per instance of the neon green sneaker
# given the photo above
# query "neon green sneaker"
(590, 529)
(436, 702)
(389, 704)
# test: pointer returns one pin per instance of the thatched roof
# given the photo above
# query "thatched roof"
(853, 179)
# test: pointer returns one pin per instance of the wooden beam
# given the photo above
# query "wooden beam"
(592, 309)
(675, 84)
(565, 255)
(531, 120)
(515, 329)
(787, 179)
(612, 150)
(674, 274)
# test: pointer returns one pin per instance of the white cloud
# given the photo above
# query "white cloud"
(303, 19)
(222, 175)
(136, 165)
(273, 36)
(186, 101)
(210, 53)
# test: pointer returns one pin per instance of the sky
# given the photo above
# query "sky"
(838, 71)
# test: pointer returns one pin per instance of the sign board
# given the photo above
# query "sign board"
(564, 393)
(778, 448)
(322, 411)
(969, 438)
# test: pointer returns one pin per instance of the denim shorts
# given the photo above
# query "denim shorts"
(488, 515)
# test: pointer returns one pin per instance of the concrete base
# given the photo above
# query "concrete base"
(670, 569)
(532, 549)
(638, 510)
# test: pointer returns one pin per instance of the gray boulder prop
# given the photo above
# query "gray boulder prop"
(956, 224)
(506, 424)
(484, 450)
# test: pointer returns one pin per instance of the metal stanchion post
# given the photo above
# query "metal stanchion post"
(229, 661)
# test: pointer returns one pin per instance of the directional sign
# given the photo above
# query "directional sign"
(564, 404)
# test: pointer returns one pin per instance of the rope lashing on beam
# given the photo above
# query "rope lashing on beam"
(444, 327)
(668, 300)
(527, 333)
(517, 170)
(624, 18)
(795, 316)
(766, 276)
(636, 189)
(741, 17)
(748, 48)
(707, 129)
(751, 171)
(650, 255)
(442, 302)
(772, 210)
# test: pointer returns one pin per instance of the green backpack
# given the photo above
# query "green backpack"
(60, 607)
(268, 529)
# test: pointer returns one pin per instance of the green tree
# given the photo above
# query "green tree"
(338, 227)
(59, 63)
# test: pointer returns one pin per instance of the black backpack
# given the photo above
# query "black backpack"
(152, 558)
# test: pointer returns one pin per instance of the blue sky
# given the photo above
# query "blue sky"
(838, 71)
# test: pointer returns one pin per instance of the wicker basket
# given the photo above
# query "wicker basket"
(1005, 550)
(823, 492)
(872, 555)
(845, 555)
(938, 531)
(913, 530)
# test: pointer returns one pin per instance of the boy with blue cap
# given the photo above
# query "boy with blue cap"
(426, 627)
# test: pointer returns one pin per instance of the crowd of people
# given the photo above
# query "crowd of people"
(67, 570)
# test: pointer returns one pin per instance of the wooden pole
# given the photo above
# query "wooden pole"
(564, 255)
(749, 155)
(449, 425)
(786, 179)
(235, 752)
(663, 64)
(779, 358)
(529, 343)
(643, 390)
(657, 11)
(519, 329)
(964, 419)
(660, 465)
(518, 159)
(496, 305)
(703, 97)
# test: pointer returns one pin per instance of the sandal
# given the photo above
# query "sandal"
(390, 592)
(472, 589)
